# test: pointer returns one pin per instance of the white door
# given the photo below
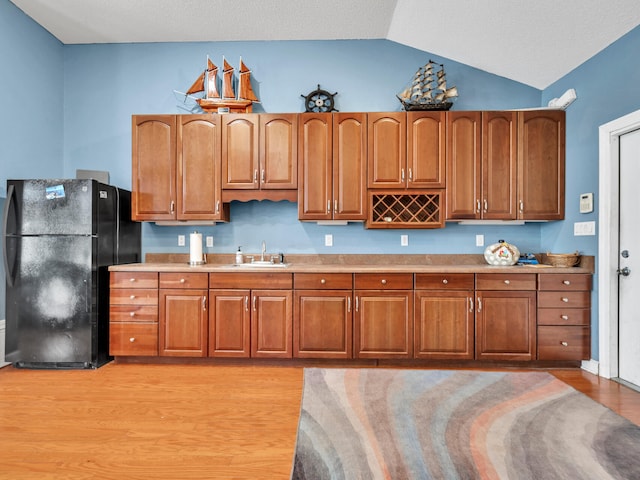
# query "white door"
(629, 260)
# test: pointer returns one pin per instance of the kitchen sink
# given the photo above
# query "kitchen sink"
(261, 263)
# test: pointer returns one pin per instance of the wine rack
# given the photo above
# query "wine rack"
(406, 210)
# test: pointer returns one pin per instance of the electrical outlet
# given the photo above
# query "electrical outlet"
(479, 240)
(328, 240)
(404, 240)
(209, 241)
(181, 241)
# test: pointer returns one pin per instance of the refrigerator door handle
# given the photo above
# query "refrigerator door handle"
(11, 193)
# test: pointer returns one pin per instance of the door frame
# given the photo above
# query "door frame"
(608, 239)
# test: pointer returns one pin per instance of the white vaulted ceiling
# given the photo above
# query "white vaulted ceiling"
(533, 42)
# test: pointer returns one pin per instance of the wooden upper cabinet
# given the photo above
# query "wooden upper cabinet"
(499, 174)
(278, 151)
(349, 166)
(198, 186)
(259, 152)
(481, 164)
(240, 159)
(463, 164)
(387, 152)
(406, 150)
(426, 148)
(332, 154)
(176, 168)
(541, 165)
(153, 175)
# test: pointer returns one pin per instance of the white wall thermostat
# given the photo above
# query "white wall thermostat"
(586, 202)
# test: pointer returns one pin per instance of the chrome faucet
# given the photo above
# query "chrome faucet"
(264, 251)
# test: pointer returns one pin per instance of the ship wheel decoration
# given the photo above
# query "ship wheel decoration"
(319, 101)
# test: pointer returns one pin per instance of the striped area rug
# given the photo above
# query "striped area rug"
(437, 424)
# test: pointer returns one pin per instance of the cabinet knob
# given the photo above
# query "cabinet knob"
(132, 297)
(445, 281)
(132, 279)
(132, 314)
(507, 282)
(566, 282)
(564, 344)
(182, 280)
(565, 299)
(132, 339)
(383, 281)
(564, 317)
(323, 281)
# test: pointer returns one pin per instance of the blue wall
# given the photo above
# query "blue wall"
(70, 107)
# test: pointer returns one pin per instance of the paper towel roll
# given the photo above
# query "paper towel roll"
(195, 249)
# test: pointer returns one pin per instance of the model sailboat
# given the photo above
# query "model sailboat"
(428, 90)
(225, 99)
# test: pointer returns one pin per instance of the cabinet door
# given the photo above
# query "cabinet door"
(349, 166)
(278, 151)
(199, 187)
(426, 147)
(499, 179)
(240, 161)
(153, 143)
(271, 323)
(183, 323)
(387, 149)
(505, 325)
(541, 165)
(315, 173)
(322, 326)
(383, 324)
(463, 165)
(444, 325)
(229, 323)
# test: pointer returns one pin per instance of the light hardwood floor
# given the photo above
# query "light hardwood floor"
(137, 421)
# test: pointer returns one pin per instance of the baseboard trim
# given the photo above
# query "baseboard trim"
(591, 366)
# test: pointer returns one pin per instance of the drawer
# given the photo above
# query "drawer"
(383, 281)
(564, 299)
(564, 343)
(563, 282)
(140, 296)
(133, 313)
(322, 281)
(184, 280)
(444, 281)
(133, 339)
(133, 280)
(564, 316)
(505, 281)
(270, 280)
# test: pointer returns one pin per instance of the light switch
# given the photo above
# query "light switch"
(328, 240)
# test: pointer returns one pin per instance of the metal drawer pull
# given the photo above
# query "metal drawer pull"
(132, 297)
(182, 280)
(323, 281)
(348, 304)
(470, 304)
(564, 317)
(507, 282)
(132, 279)
(564, 344)
(383, 281)
(246, 303)
(132, 314)
(132, 339)
(445, 281)
(479, 304)
(565, 299)
(566, 282)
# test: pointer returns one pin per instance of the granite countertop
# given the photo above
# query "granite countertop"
(344, 263)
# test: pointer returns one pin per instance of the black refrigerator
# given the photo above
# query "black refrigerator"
(59, 238)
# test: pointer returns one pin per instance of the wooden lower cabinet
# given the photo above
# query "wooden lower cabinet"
(133, 314)
(564, 316)
(444, 316)
(183, 315)
(506, 325)
(323, 319)
(271, 324)
(229, 323)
